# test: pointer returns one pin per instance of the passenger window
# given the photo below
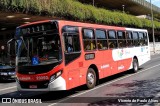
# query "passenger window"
(146, 38)
(71, 47)
(101, 39)
(141, 39)
(135, 38)
(88, 34)
(121, 35)
(72, 43)
(121, 39)
(112, 35)
(89, 40)
(129, 39)
(112, 39)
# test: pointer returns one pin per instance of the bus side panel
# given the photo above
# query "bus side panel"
(113, 67)
(105, 59)
(83, 72)
(73, 78)
(123, 57)
(144, 55)
(98, 61)
(128, 63)
(121, 66)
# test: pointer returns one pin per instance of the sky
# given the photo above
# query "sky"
(155, 2)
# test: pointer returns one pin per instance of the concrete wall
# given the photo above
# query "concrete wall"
(157, 48)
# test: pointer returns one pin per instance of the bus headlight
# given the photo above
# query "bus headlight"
(56, 75)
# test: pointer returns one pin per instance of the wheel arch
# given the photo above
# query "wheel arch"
(135, 57)
(94, 67)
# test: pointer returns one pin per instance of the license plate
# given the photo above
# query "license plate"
(33, 86)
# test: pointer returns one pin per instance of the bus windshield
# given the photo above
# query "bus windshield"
(38, 50)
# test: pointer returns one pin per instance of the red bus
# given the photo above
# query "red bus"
(60, 55)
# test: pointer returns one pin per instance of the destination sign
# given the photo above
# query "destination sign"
(42, 27)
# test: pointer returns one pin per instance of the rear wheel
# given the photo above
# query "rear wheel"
(135, 65)
(91, 78)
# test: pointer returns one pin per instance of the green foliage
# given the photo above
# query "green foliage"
(74, 10)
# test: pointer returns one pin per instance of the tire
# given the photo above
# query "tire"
(91, 78)
(135, 65)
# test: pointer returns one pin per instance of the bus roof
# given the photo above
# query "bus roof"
(134, 29)
(82, 24)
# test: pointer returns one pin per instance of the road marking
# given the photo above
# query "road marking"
(8, 88)
(74, 95)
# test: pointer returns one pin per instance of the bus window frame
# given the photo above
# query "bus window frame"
(112, 39)
(146, 37)
(129, 39)
(135, 39)
(143, 38)
(64, 48)
(101, 39)
(64, 43)
(124, 39)
(88, 28)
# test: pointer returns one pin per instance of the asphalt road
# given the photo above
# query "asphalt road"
(130, 89)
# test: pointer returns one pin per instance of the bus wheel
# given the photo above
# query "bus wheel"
(135, 65)
(91, 78)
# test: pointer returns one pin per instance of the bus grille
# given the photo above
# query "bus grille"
(39, 85)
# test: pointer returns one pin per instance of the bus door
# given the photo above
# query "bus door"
(72, 53)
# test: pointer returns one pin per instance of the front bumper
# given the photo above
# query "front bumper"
(57, 84)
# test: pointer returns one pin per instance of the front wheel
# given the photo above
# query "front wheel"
(91, 78)
(135, 65)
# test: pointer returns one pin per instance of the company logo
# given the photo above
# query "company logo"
(120, 53)
(105, 66)
(6, 100)
(13, 100)
(121, 67)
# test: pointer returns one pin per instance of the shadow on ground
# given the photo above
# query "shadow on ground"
(142, 90)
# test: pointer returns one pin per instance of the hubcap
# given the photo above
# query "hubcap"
(90, 78)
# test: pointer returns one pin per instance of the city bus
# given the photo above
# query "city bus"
(60, 55)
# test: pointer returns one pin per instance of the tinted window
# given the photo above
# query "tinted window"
(112, 35)
(89, 40)
(72, 43)
(136, 39)
(121, 35)
(121, 39)
(141, 35)
(146, 38)
(88, 34)
(128, 35)
(101, 39)
(112, 39)
(100, 34)
(135, 35)
(72, 47)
